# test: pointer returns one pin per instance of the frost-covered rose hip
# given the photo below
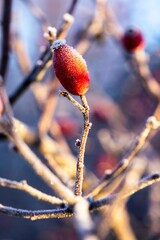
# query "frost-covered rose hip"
(132, 40)
(70, 68)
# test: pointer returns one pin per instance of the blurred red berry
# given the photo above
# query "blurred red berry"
(70, 68)
(132, 40)
(105, 162)
(69, 126)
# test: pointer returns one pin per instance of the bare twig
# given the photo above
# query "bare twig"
(84, 108)
(45, 121)
(139, 63)
(7, 6)
(80, 161)
(143, 183)
(110, 179)
(73, 101)
(37, 214)
(23, 58)
(23, 186)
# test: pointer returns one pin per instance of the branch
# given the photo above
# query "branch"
(143, 183)
(23, 186)
(139, 63)
(37, 214)
(7, 6)
(73, 101)
(110, 179)
(83, 141)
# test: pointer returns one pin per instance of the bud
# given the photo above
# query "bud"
(132, 40)
(70, 68)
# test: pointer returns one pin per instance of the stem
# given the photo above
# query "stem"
(80, 161)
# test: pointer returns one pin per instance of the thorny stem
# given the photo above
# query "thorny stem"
(80, 161)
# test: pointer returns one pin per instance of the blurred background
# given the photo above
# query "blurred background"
(119, 107)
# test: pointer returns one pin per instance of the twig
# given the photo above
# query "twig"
(80, 161)
(110, 179)
(73, 101)
(143, 183)
(23, 58)
(45, 121)
(7, 6)
(38, 13)
(35, 214)
(84, 223)
(84, 108)
(59, 171)
(23, 186)
(139, 63)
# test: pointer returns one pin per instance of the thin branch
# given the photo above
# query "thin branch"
(139, 63)
(143, 183)
(45, 120)
(73, 101)
(84, 108)
(110, 179)
(37, 214)
(80, 161)
(7, 6)
(23, 186)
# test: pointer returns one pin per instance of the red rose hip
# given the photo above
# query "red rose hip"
(70, 68)
(132, 40)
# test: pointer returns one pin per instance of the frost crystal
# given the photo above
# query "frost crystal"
(58, 43)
